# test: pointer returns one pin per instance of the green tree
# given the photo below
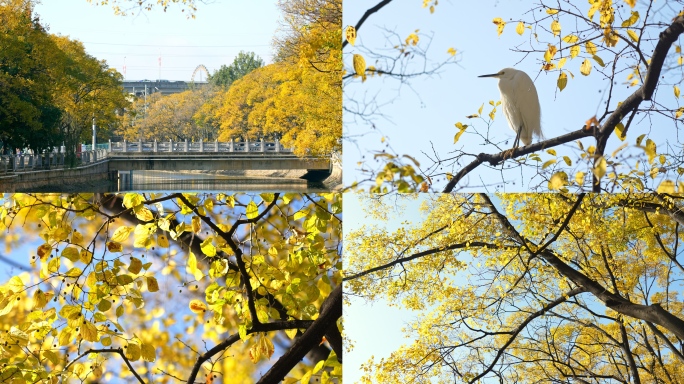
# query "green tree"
(527, 288)
(243, 64)
(85, 88)
(29, 116)
(157, 287)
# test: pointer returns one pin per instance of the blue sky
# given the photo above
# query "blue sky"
(219, 32)
(374, 328)
(420, 115)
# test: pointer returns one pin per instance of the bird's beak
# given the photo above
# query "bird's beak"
(492, 75)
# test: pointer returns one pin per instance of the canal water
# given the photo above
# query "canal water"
(176, 181)
(172, 181)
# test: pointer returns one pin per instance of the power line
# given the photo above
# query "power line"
(181, 46)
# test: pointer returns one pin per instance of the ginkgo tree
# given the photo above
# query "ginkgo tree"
(164, 287)
(631, 49)
(527, 288)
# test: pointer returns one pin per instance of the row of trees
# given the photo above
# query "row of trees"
(296, 99)
(165, 287)
(51, 89)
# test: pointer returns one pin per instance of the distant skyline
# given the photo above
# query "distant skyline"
(140, 43)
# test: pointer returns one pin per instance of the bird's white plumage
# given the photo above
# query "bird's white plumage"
(520, 103)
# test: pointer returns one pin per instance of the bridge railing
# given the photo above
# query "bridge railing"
(50, 160)
(198, 146)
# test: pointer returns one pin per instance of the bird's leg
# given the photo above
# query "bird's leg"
(516, 143)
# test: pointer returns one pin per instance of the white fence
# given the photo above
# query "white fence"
(199, 146)
(51, 160)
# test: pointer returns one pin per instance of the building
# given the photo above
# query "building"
(166, 87)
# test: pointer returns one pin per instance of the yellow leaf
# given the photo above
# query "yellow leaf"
(152, 284)
(44, 250)
(551, 152)
(412, 39)
(196, 224)
(143, 234)
(132, 352)
(562, 81)
(208, 247)
(633, 18)
(550, 52)
(667, 186)
(500, 24)
(574, 51)
(252, 210)
(451, 51)
(579, 178)
(163, 241)
(551, 11)
(121, 234)
(570, 39)
(136, 265)
(148, 352)
(555, 27)
(567, 160)
(548, 163)
(70, 253)
(520, 28)
(558, 180)
(632, 35)
(590, 47)
(113, 246)
(585, 68)
(561, 62)
(631, 3)
(676, 91)
(598, 60)
(360, 66)
(197, 306)
(144, 214)
(88, 331)
(350, 34)
(600, 169)
(650, 150)
(620, 131)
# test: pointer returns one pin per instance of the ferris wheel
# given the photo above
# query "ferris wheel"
(200, 68)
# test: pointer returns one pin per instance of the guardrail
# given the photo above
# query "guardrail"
(199, 146)
(51, 160)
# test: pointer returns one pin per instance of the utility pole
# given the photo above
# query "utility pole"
(94, 133)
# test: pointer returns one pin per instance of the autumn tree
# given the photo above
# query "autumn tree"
(297, 99)
(86, 89)
(628, 48)
(53, 88)
(527, 288)
(29, 116)
(243, 64)
(165, 287)
(169, 117)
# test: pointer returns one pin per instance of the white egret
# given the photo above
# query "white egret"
(520, 104)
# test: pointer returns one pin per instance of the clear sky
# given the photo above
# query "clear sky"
(374, 328)
(220, 30)
(420, 115)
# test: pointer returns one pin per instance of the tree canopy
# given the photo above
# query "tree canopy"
(243, 64)
(527, 288)
(629, 49)
(52, 88)
(297, 99)
(164, 287)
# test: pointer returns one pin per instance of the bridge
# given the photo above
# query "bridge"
(166, 87)
(122, 157)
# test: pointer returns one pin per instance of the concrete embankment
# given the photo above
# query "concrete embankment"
(56, 179)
